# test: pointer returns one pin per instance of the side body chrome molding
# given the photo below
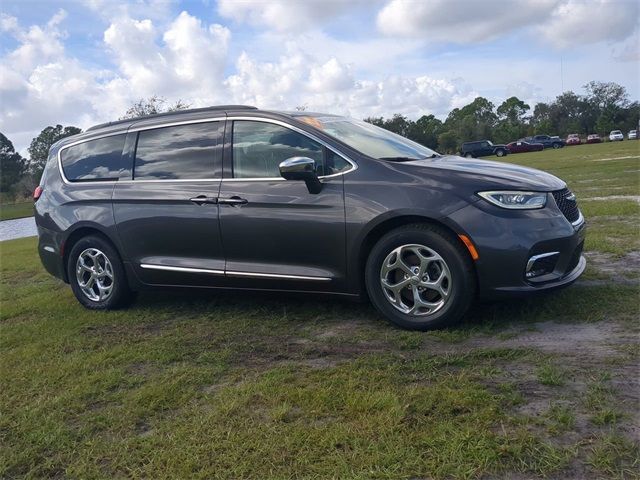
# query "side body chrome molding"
(230, 273)
(151, 266)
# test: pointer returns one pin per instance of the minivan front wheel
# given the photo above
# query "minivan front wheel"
(96, 274)
(420, 277)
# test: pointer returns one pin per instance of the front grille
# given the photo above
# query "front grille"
(567, 204)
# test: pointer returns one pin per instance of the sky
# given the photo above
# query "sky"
(82, 62)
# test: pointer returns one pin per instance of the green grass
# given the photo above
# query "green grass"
(9, 211)
(225, 385)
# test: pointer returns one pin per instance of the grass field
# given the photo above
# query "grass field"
(9, 211)
(263, 386)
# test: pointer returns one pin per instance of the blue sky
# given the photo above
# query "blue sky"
(84, 61)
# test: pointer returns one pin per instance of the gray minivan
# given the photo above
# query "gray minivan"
(235, 197)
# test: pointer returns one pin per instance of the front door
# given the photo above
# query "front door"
(167, 214)
(275, 233)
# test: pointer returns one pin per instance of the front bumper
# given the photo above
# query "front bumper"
(506, 240)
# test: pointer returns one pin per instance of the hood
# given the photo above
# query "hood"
(488, 174)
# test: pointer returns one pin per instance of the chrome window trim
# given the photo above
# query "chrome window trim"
(133, 129)
(153, 266)
(354, 165)
(170, 180)
(230, 273)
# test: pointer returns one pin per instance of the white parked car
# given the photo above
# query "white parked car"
(632, 135)
(616, 135)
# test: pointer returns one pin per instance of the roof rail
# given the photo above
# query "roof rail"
(174, 112)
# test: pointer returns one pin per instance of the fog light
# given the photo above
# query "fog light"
(541, 264)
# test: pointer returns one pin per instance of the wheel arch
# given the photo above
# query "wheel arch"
(386, 225)
(79, 232)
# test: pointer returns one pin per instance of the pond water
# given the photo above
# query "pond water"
(18, 228)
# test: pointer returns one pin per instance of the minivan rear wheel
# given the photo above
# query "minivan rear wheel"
(96, 274)
(420, 277)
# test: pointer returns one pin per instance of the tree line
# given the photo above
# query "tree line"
(604, 106)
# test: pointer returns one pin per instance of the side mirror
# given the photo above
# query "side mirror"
(301, 168)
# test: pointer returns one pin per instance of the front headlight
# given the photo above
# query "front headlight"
(516, 200)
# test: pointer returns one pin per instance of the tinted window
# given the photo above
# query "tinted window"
(94, 160)
(180, 152)
(259, 147)
(335, 164)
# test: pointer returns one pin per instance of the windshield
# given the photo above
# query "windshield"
(373, 141)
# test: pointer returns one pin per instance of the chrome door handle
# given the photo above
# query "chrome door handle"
(202, 199)
(233, 201)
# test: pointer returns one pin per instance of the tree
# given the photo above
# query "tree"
(12, 166)
(448, 142)
(151, 106)
(474, 121)
(607, 94)
(40, 145)
(511, 120)
(425, 131)
(513, 110)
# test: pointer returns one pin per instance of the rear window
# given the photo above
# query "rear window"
(178, 152)
(95, 160)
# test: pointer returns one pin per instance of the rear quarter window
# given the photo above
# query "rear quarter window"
(94, 160)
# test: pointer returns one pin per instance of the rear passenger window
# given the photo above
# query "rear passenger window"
(180, 152)
(95, 160)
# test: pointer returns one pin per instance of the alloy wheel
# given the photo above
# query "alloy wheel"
(94, 274)
(416, 280)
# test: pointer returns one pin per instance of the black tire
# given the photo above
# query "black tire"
(120, 294)
(556, 146)
(500, 152)
(457, 258)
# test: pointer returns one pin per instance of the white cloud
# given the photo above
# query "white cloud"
(285, 15)
(189, 63)
(298, 79)
(576, 22)
(563, 23)
(460, 21)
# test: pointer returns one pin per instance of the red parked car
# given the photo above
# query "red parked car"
(573, 139)
(521, 146)
(594, 138)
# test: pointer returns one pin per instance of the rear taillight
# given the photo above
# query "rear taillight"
(37, 192)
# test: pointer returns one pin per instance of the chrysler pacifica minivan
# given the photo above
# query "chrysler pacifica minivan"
(238, 198)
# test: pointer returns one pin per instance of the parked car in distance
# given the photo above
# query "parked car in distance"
(573, 139)
(546, 141)
(632, 135)
(482, 148)
(616, 136)
(594, 138)
(233, 197)
(521, 146)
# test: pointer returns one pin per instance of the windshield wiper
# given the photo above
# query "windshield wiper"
(408, 159)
